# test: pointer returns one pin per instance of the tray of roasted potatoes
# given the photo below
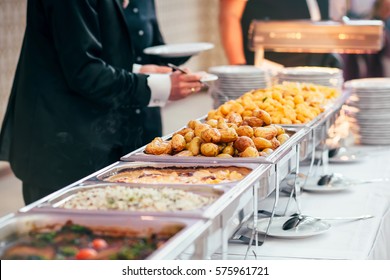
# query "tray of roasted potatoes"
(261, 126)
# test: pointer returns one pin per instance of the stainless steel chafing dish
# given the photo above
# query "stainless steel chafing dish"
(54, 204)
(235, 203)
(296, 134)
(188, 231)
(124, 166)
(350, 36)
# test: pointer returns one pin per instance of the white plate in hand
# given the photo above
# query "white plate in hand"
(178, 50)
(305, 229)
(207, 77)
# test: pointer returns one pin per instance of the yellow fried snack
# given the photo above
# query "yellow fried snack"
(286, 103)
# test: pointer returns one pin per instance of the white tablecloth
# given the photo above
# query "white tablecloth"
(364, 239)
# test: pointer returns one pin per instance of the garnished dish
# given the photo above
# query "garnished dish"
(124, 198)
(180, 175)
(73, 241)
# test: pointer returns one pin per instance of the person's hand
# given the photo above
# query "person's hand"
(184, 85)
(125, 3)
(154, 69)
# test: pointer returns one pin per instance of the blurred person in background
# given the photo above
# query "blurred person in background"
(235, 17)
(358, 66)
(75, 103)
(144, 31)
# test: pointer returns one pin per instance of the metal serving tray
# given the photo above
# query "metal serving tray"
(53, 203)
(317, 129)
(15, 225)
(296, 135)
(121, 166)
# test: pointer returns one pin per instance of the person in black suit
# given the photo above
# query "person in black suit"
(237, 15)
(75, 103)
(144, 30)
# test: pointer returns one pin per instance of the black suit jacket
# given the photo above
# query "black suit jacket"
(75, 105)
(145, 32)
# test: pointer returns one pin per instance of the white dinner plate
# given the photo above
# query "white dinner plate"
(303, 230)
(336, 185)
(207, 77)
(178, 50)
(368, 83)
(244, 70)
(310, 71)
(348, 157)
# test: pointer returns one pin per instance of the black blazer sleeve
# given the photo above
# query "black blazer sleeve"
(76, 33)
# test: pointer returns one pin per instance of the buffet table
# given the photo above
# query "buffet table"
(364, 239)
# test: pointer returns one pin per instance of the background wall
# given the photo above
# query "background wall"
(180, 20)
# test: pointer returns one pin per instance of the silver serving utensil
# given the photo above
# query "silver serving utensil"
(177, 68)
(298, 219)
(325, 180)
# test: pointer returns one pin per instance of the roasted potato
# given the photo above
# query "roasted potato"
(267, 132)
(234, 118)
(267, 151)
(249, 152)
(224, 156)
(221, 147)
(199, 128)
(194, 146)
(209, 149)
(212, 123)
(178, 143)
(211, 135)
(283, 138)
(245, 130)
(222, 124)
(263, 115)
(262, 143)
(228, 150)
(242, 143)
(253, 121)
(228, 135)
(192, 124)
(183, 131)
(185, 153)
(275, 143)
(189, 136)
(158, 147)
(279, 128)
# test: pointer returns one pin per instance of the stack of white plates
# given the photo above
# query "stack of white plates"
(369, 110)
(330, 77)
(235, 80)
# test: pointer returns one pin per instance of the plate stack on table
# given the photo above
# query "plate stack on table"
(369, 110)
(330, 77)
(235, 80)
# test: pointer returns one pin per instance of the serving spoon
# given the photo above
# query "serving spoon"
(297, 219)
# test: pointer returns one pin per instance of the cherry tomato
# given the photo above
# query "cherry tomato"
(99, 243)
(86, 254)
